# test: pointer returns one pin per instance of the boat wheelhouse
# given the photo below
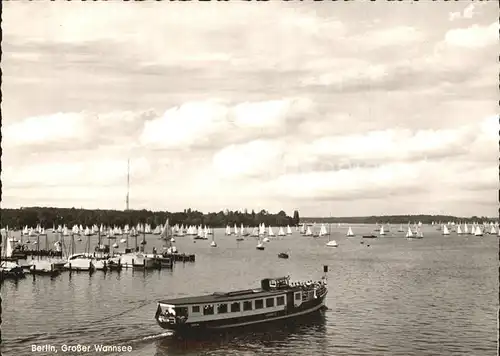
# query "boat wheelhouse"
(277, 299)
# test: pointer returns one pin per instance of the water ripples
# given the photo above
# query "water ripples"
(435, 296)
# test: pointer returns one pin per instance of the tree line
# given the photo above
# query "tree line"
(397, 219)
(46, 217)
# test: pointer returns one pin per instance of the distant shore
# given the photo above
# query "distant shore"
(47, 217)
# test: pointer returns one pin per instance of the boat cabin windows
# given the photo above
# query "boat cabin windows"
(269, 302)
(221, 308)
(235, 307)
(298, 296)
(208, 310)
(280, 300)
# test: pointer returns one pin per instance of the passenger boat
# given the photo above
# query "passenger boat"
(276, 300)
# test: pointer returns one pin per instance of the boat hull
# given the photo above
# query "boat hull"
(285, 316)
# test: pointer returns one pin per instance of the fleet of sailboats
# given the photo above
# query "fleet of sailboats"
(264, 234)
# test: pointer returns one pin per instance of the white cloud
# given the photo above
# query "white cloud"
(474, 36)
(84, 172)
(255, 158)
(398, 35)
(211, 123)
(373, 163)
(47, 129)
(320, 105)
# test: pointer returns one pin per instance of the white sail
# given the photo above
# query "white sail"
(349, 232)
(8, 248)
(271, 232)
(281, 232)
(322, 230)
(228, 230)
(478, 231)
(382, 232)
(309, 232)
(466, 229)
(493, 231)
(445, 230)
(262, 229)
(409, 233)
(288, 230)
(164, 232)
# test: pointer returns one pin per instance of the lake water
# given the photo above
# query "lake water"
(434, 296)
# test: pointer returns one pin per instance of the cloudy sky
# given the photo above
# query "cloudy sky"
(343, 108)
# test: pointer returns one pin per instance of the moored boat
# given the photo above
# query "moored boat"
(276, 300)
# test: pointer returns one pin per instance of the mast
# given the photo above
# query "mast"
(128, 184)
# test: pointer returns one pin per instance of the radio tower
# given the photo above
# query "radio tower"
(128, 183)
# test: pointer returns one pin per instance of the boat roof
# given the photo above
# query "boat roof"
(224, 297)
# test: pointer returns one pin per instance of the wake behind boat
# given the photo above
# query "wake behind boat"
(276, 300)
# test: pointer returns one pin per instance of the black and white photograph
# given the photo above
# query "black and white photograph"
(225, 177)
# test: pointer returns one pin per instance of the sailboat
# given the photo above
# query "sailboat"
(409, 234)
(478, 231)
(213, 243)
(260, 245)
(401, 228)
(9, 269)
(271, 232)
(262, 229)
(288, 230)
(228, 230)
(242, 233)
(419, 234)
(331, 243)
(382, 232)
(350, 233)
(308, 232)
(281, 232)
(459, 230)
(493, 231)
(466, 229)
(445, 230)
